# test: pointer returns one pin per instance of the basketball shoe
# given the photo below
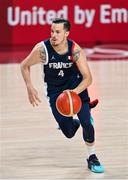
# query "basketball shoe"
(93, 104)
(94, 164)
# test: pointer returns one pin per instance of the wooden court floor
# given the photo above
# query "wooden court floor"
(32, 148)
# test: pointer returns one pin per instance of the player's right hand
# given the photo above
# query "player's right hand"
(33, 96)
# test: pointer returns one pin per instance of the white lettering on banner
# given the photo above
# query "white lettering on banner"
(36, 16)
(84, 16)
(113, 15)
(105, 14)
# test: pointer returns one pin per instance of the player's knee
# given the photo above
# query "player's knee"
(69, 129)
(69, 134)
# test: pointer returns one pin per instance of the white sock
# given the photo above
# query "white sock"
(90, 150)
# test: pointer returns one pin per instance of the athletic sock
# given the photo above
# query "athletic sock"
(90, 150)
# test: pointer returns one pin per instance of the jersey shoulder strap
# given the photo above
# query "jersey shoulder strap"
(71, 45)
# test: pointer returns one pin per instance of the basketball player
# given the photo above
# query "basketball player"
(65, 68)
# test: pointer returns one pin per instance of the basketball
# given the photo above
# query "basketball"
(68, 103)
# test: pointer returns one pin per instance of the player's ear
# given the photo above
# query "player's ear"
(67, 33)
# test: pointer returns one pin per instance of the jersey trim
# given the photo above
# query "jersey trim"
(72, 49)
(46, 52)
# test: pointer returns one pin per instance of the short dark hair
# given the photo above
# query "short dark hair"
(66, 23)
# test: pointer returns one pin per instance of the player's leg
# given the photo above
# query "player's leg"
(68, 125)
(89, 138)
(86, 123)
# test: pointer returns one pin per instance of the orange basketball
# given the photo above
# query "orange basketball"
(68, 103)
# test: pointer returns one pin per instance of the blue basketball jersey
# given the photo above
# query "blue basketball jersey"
(60, 72)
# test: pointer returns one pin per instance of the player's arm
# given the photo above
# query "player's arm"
(36, 56)
(81, 62)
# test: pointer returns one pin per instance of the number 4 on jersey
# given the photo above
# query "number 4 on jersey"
(61, 73)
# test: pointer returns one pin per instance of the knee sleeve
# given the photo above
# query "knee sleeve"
(88, 134)
(86, 123)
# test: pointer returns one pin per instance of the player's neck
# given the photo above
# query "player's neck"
(62, 48)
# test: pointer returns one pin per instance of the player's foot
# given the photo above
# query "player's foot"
(93, 104)
(94, 164)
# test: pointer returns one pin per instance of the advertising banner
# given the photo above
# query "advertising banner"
(97, 21)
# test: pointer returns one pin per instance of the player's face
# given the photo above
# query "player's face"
(58, 34)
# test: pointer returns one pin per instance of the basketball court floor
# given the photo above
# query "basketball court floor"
(31, 146)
